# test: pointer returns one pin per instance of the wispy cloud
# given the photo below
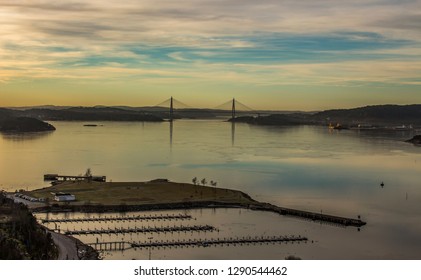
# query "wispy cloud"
(265, 43)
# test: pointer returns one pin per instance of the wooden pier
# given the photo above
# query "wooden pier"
(124, 245)
(141, 230)
(122, 219)
(110, 246)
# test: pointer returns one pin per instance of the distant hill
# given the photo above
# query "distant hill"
(378, 114)
(52, 107)
(276, 119)
(90, 114)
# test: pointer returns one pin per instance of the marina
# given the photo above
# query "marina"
(206, 229)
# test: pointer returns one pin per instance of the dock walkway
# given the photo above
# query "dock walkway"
(113, 219)
(141, 230)
(124, 245)
(342, 221)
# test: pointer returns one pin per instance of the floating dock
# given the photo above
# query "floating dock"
(124, 245)
(116, 219)
(141, 230)
(221, 241)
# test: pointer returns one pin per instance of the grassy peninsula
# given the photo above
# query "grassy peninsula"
(162, 194)
(156, 192)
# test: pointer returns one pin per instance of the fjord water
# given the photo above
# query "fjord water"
(309, 168)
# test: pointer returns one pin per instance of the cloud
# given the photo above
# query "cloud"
(73, 29)
(172, 22)
(47, 5)
(265, 43)
(401, 22)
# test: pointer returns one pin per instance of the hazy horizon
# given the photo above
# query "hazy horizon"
(270, 55)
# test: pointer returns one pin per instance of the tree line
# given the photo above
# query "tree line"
(21, 237)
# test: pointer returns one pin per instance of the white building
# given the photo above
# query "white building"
(64, 197)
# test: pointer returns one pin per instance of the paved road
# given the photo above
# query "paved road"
(30, 204)
(66, 245)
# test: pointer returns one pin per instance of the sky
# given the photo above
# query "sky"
(269, 54)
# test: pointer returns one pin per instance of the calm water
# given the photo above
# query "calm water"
(308, 168)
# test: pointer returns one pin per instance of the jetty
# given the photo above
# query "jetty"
(312, 216)
(258, 240)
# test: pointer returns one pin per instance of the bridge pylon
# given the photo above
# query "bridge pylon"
(233, 110)
(171, 109)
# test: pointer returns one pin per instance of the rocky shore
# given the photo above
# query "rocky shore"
(416, 140)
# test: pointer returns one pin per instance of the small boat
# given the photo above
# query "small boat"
(402, 127)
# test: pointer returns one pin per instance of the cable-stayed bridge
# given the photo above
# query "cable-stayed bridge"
(232, 106)
(235, 106)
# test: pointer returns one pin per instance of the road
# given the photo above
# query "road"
(66, 246)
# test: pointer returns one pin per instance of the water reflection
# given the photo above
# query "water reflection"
(171, 132)
(232, 133)
(27, 136)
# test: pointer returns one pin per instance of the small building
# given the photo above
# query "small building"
(64, 197)
(62, 178)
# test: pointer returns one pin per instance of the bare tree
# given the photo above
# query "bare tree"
(88, 174)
